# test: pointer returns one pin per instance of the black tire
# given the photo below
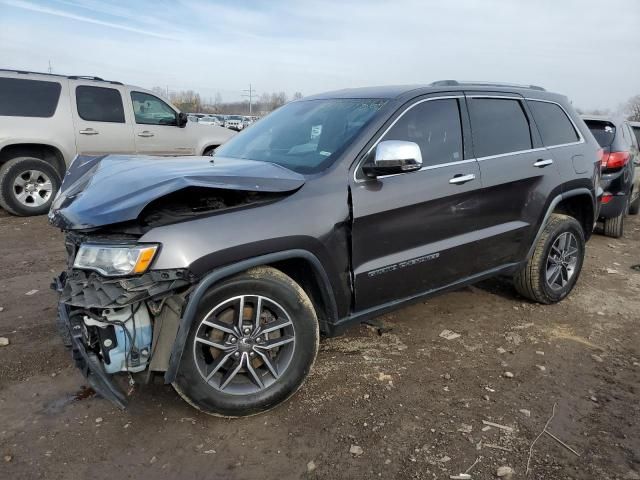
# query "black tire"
(209, 151)
(273, 285)
(634, 207)
(531, 281)
(614, 227)
(35, 203)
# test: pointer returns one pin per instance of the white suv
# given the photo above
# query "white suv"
(46, 120)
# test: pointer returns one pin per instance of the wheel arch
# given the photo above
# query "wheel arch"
(291, 262)
(43, 151)
(579, 206)
(580, 201)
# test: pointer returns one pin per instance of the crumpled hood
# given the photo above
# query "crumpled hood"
(99, 191)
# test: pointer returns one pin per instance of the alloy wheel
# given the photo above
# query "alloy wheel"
(32, 188)
(244, 344)
(562, 261)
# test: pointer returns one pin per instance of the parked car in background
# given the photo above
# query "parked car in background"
(246, 121)
(46, 120)
(635, 126)
(234, 122)
(331, 210)
(620, 171)
(210, 120)
(193, 118)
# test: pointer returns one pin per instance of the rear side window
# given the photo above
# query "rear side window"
(604, 131)
(435, 126)
(498, 126)
(99, 104)
(553, 124)
(28, 98)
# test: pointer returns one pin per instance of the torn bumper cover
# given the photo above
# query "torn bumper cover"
(115, 325)
(88, 363)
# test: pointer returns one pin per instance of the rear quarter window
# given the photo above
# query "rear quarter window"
(28, 98)
(553, 124)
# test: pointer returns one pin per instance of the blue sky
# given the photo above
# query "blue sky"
(586, 49)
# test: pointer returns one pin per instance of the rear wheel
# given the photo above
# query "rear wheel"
(614, 227)
(251, 346)
(553, 269)
(27, 186)
(634, 207)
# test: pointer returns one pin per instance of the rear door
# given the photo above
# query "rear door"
(102, 124)
(414, 232)
(156, 130)
(519, 175)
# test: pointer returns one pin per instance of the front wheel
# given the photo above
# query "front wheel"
(251, 346)
(553, 269)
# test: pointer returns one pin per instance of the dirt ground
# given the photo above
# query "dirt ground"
(413, 402)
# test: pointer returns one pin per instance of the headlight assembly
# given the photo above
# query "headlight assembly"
(114, 260)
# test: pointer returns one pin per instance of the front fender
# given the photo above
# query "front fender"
(221, 273)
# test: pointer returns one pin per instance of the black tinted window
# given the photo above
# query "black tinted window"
(435, 126)
(604, 131)
(28, 98)
(99, 104)
(499, 126)
(553, 124)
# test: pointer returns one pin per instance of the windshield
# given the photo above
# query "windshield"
(304, 136)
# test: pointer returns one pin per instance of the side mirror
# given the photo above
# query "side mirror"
(182, 119)
(393, 157)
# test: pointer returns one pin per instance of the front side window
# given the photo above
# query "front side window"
(99, 104)
(554, 126)
(498, 126)
(150, 110)
(28, 98)
(305, 136)
(435, 126)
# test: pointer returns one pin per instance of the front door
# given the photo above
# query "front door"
(102, 124)
(415, 231)
(156, 127)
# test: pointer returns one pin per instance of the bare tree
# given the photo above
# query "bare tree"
(297, 95)
(632, 109)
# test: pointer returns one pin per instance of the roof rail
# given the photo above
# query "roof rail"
(455, 83)
(70, 77)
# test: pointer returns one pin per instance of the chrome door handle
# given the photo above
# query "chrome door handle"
(543, 163)
(145, 134)
(459, 179)
(89, 131)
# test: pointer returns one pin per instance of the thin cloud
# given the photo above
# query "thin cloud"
(24, 5)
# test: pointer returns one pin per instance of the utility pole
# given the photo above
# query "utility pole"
(49, 66)
(249, 93)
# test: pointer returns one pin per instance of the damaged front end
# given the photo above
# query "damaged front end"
(117, 313)
(124, 324)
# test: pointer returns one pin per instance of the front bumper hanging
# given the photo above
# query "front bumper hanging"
(88, 362)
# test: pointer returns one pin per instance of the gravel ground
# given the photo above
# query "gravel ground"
(406, 404)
